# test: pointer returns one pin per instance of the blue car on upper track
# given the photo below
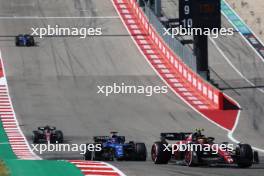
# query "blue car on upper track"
(25, 40)
(114, 147)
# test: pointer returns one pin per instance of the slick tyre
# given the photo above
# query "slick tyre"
(244, 155)
(141, 151)
(31, 41)
(17, 41)
(59, 136)
(87, 155)
(158, 155)
(191, 158)
(256, 157)
(35, 137)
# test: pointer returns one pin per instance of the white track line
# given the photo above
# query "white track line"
(115, 169)
(4, 81)
(164, 81)
(20, 145)
(230, 133)
(241, 33)
(232, 65)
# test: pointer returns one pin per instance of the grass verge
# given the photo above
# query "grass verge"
(3, 169)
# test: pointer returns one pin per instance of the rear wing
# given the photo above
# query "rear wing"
(174, 136)
(100, 138)
(43, 127)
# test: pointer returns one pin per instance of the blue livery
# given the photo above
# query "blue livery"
(115, 147)
(25, 40)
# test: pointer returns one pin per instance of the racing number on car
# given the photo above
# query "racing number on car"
(185, 11)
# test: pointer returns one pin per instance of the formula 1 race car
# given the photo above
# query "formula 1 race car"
(202, 151)
(25, 40)
(114, 147)
(47, 134)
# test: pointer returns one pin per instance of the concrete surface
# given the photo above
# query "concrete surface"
(252, 13)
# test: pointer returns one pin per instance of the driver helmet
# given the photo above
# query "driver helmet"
(47, 128)
(201, 140)
(114, 139)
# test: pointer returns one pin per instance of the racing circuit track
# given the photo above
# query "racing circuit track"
(238, 70)
(56, 83)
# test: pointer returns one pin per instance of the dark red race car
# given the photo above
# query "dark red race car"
(47, 134)
(195, 149)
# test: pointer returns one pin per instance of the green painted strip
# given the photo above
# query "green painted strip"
(238, 23)
(41, 168)
(33, 167)
(228, 12)
(6, 151)
(234, 18)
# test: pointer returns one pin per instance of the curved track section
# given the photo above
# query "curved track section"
(238, 69)
(56, 83)
(242, 80)
(9, 122)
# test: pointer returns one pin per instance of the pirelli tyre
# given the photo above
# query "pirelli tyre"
(158, 153)
(35, 137)
(107, 154)
(17, 41)
(244, 155)
(141, 151)
(87, 155)
(59, 136)
(256, 157)
(192, 158)
(31, 41)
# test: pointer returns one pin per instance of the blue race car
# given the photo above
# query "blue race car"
(115, 147)
(25, 40)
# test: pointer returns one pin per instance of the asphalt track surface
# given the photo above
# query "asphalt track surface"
(56, 83)
(247, 90)
(245, 83)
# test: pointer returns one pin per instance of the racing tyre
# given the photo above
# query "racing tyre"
(141, 151)
(59, 136)
(35, 137)
(17, 41)
(244, 155)
(108, 156)
(256, 157)
(191, 158)
(31, 41)
(158, 155)
(87, 155)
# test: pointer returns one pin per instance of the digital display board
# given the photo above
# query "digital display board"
(207, 8)
(200, 13)
(186, 13)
